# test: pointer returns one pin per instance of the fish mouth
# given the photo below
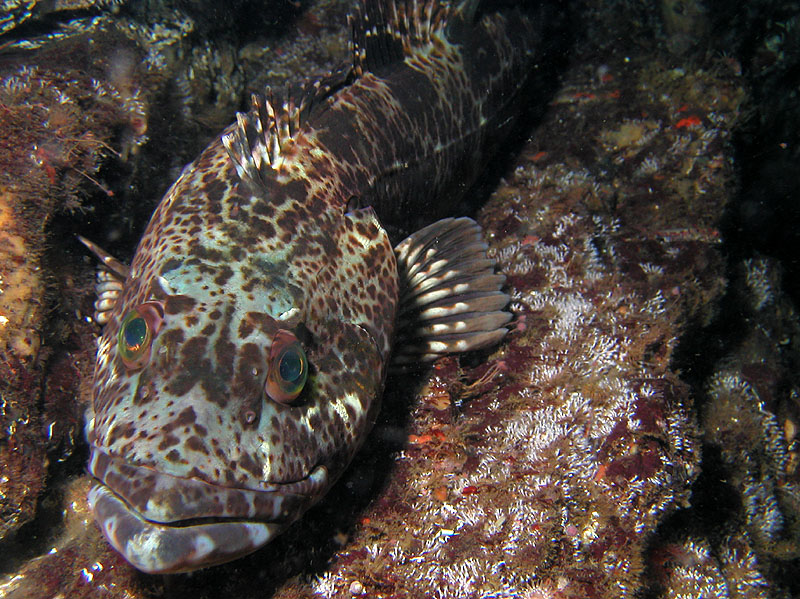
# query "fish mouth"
(163, 523)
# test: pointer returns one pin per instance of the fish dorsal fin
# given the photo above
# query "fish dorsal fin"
(450, 299)
(257, 143)
(383, 32)
(386, 31)
(111, 277)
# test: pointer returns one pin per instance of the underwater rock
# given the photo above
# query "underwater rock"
(57, 126)
(685, 23)
(743, 530)
(77, 564)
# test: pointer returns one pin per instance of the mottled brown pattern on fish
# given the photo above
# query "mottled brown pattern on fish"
(233, 261)
(204, 361)
(399, 140)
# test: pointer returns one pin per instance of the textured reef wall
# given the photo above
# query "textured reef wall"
(636, 432)
(58, 123)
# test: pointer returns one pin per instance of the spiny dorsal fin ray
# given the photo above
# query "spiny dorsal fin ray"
(386, 31)
(462, 18)
(111, 276)
(117, 268)
(451, 298)
(254, 145)
(256, 142)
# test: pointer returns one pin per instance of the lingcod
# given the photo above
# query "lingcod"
(245, 349)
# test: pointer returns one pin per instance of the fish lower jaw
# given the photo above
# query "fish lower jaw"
(163, 523)
(161, 549)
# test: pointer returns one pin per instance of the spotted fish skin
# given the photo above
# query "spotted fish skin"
(195, 464)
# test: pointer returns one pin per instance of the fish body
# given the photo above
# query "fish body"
(246, 347)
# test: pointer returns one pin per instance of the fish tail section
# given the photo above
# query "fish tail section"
(451, 298)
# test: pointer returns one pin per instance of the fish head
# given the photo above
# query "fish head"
(229, 394)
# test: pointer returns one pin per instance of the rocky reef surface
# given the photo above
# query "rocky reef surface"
(634, 435)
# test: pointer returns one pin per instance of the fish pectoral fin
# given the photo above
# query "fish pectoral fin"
(111, 275)
(451, 298)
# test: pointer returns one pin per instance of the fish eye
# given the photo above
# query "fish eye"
(136, 334)
(288, 368)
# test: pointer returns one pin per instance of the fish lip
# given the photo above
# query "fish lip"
(162, 523)
(163, 549)
(168, 499)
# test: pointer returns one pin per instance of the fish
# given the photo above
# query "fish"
(245, 349)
